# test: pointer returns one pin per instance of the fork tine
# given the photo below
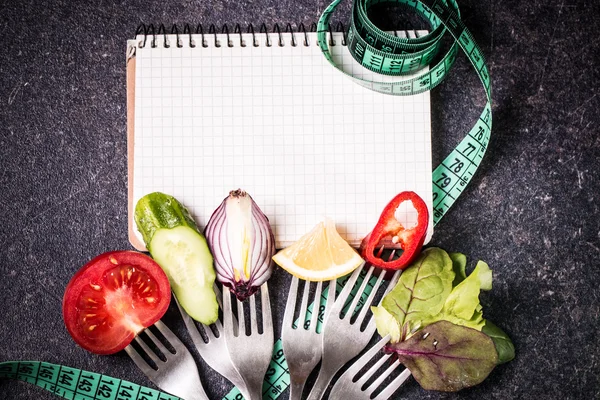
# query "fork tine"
(359, 293)
(385, 374)
(177, 374)
(304, 304)
(339, 305)
(369, 301)
(148, 351)
(367, 375)
(392, 283)
(218, 323)
(393, 386)
(192, 329)
(290, 306)
(168, 334)
(219, 295)
(316, 306)
(267, 319)
(219, 326)
(330, 297)
(253, 320)
(209, 332)
(227, 314)
(364, 359)
(139, 361)
(166, 352)
(241, 318)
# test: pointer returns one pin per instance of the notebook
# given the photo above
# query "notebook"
(266, 113)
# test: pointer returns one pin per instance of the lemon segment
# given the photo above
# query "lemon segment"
(320, 255)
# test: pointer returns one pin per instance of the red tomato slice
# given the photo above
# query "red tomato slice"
(113, 298)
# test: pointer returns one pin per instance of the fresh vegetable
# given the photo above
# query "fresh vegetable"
(421, 291)
(462, 305)
(447, 357)
(459, 265)
(389, 232)
(242, 242)
(174, 241)
(114, 297)
(386, 324)
(435, 289)
(321, 254)
(425, 294)
(504, 346)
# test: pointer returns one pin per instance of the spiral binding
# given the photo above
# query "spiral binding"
(152, 33)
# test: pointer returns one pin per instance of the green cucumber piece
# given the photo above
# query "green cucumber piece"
(176, 244)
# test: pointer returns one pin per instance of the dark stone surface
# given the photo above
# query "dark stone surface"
(531, 212)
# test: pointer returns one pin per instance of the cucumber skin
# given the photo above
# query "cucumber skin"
(157, 211)
(161, 211)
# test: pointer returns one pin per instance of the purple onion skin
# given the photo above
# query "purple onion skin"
(225, 253)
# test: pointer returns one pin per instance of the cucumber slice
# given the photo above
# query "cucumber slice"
(176, 244)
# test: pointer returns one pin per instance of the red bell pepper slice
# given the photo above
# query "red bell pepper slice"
(390, 232)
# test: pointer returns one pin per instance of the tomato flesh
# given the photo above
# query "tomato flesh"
(114, 297)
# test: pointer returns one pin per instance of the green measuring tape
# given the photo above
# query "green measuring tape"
(380, 52)
(75, 384)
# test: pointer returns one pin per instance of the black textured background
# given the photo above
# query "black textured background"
(531, 211)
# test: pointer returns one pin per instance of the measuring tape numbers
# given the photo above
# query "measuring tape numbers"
(380, 52)
(76, 384)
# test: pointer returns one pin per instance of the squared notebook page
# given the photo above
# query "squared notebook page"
(281, 123)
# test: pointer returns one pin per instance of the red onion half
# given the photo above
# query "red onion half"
(242, 243)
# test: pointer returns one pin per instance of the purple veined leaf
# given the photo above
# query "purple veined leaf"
(447, 357)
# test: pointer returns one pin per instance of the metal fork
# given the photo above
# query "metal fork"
(343, 339)
(214, 350)
(178, 374)
(350, 384)
(250, 354)
(301, 345)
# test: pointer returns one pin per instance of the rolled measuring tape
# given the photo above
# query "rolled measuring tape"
(387, 54)
(380, 52)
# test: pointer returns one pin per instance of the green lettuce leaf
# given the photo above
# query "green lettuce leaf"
(462, 307)
(386, 324)
(504, 346)
(484, 273)
(435, 288)
(459, 265)
(447, 357)
(421, 291)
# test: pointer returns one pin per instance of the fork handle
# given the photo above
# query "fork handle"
(323, 380)
(296, 389)
(252, 393)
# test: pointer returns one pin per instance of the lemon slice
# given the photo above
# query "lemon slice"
(319, 255)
